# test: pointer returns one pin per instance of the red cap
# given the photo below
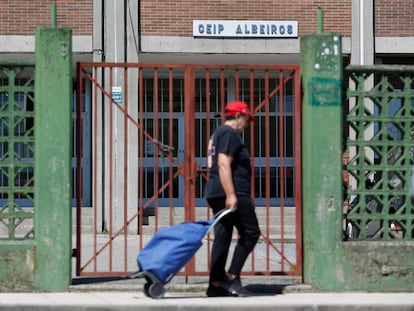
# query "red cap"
(238, 107)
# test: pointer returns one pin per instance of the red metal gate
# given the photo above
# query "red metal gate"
(150, 128)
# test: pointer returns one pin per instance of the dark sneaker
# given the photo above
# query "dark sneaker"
(215, 291)
(236, 289)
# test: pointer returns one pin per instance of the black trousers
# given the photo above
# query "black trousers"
(245, 221)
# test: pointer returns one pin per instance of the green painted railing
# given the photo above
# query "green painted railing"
(379, 152)
(16, 151)
(35, 167)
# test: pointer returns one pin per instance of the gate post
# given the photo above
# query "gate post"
(53, 112)
(321, 69)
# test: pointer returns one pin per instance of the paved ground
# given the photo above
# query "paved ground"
(269, 294)
(138, 302)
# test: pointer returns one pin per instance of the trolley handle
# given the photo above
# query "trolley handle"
(224, 212)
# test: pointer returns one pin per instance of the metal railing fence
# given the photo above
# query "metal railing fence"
(16, 151)
(379, 152)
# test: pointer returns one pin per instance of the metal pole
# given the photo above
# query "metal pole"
(320, 20)
(53, 15)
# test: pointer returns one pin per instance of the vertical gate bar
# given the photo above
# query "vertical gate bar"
(222, 94)
(156, 146)
(208, 107)
(252, 156)
(79, 151)
(189, 114)
(252, 128)
(207, 141)
(298, 169)
(267, 167)
(170, 143)
(208, 117)
(282, 167)
(126, 164)
(111, 152)
(141, 154)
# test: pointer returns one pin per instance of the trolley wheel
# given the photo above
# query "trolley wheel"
(156, 290)
(146, 289)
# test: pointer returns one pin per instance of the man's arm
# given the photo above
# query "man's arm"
(224, 168)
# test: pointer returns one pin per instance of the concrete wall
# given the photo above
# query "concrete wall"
(17, 266)
(379, 266)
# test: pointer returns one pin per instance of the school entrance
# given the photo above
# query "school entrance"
(149, 130)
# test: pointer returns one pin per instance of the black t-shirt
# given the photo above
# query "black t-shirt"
(227, 140)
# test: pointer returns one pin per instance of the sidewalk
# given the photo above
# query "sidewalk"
(127, 295)
(184, 301)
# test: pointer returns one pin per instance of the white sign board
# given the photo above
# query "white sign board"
(117, 94)
(243, 29)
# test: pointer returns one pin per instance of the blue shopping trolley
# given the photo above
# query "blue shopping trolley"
(169, 250)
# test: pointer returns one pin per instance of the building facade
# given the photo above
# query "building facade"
(162, 31)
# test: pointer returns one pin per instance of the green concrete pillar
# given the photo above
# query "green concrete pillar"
(321, 70)
(53, 131)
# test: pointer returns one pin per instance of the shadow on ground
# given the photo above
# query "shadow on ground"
(97, 280)
(257, 286)
(265, 289)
